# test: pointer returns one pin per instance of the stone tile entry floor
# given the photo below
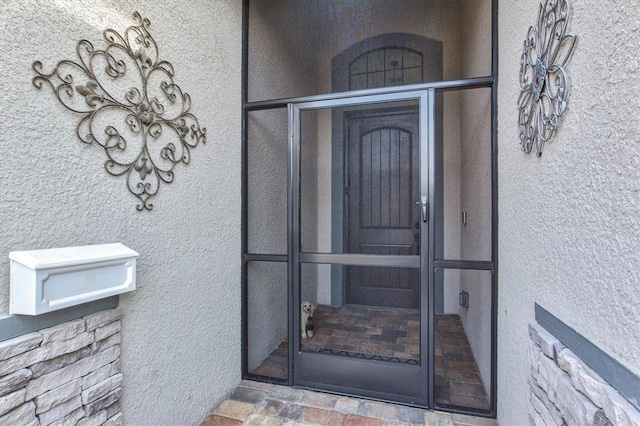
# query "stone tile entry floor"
(256, 403)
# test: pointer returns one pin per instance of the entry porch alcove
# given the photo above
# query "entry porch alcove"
(369, 191)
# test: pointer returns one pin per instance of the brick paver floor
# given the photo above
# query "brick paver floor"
(255, 403)
(394, 333)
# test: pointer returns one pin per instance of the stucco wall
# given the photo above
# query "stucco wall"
(267, 154)
(475, 183)
(309, 202)
(475, 236)
(279, 67)
(451, 196)
(267, 305)
(180, 339)
(324, 203)
(568, 232)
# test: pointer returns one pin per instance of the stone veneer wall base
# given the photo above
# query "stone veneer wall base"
(564, 391)
(68, 374)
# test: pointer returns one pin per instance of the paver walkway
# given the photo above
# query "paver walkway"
(255, 403)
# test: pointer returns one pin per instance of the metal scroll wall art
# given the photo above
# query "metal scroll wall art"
(130, 106)
(544, 84)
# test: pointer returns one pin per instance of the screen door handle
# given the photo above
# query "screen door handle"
(423, 207)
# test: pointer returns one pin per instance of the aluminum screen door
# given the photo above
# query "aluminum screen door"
(360, 199)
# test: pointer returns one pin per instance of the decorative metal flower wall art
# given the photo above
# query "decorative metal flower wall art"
(544, 84)
(130, 106)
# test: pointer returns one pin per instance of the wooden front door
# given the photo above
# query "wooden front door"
(381, 191)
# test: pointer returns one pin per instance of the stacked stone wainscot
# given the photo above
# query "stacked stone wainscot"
(68, 374)
(564, 391)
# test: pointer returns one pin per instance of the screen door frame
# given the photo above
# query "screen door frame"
(403, 383)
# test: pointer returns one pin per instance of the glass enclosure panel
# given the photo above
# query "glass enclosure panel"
(361, 328)
(359, 179)
(467, 186)
(300, 48)
(267, 319)
(462, 375)
(267, 162)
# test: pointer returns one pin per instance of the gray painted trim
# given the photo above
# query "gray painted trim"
(464, 264)
(468, 83)
(259, 257)
(17, 325)
(382, 260)
(616, 374)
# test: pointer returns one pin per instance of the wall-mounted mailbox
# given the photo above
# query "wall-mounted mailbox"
(47, 280)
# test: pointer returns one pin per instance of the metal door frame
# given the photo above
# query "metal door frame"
(390, 381)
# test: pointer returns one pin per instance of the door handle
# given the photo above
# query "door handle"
(423, 207)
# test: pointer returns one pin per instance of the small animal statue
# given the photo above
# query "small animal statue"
(306, 319)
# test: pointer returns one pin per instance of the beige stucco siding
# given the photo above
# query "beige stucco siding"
(181, 332)
(568, 231)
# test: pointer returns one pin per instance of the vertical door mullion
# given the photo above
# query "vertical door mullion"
(432, 239)
(293, 250)
(427, 272)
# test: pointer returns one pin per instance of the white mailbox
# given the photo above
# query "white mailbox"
(47, 280)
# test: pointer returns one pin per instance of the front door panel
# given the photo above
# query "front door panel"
(382, 149)
(360, 246)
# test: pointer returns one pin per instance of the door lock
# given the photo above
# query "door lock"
(423, 207)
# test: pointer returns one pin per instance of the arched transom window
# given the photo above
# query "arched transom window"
(386, 66)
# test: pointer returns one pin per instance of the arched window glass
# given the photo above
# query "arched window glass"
(383, 67)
